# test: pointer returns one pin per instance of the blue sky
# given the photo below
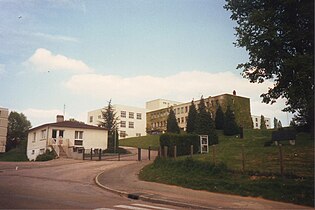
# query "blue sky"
(83, 53)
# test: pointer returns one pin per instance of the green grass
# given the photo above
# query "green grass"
(143, 142)
(17, 154)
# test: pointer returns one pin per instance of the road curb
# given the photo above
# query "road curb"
(149, 199)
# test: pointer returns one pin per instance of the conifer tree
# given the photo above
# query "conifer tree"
(275, 123)
(230, 126)
(204, 124)
(172, 125)
(219, 119)
(262, 123)
(190, 128)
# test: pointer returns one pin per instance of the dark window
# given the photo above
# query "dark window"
(78, 142)
(54, 133)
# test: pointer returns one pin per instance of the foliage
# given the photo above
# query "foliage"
(219, 118)
(142, 142)
(204, 124)
(18, 126)
(182, 143)
(119, 150)
(191, 119)
(262, 122)
(275, 123)
(48, 155)
(110, 122)
(279, 36)
(172, 125)
(279, 124)
(230, 126)
(15, 154)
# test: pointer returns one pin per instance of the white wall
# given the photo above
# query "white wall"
(35, 145)
(257, 119)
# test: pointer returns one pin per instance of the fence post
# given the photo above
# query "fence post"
(91, 154)
(213, 154)
(281, 159)
(149, 152)
(165, 151)
(83, 153)
(139, 154)
(243, 159)
(191, 150)
(175, 152)
(100, 154)
(118, 155)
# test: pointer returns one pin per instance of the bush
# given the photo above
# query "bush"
(48, 155)
(182, 142)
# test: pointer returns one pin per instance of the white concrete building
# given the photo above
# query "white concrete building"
(257, 120)
(160, 104)
(65, 137)
(131, 120)
(4, 113)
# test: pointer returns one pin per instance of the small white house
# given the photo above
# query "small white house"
(257, 121)
(67, 138)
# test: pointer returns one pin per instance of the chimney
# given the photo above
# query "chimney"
(234, 93)
(60, 118)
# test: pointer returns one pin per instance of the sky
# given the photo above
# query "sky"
(75, 56)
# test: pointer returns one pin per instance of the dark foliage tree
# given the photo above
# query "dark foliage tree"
(172, 125)
(190, 128)
(279, 36)
(230, 126)
(204, 124)
(18, 126)
(275, 123)
(110, 122)
(263, 123)
(219, 119)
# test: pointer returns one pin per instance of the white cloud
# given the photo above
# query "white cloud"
(43, 60)
(182, 87)
(41, 116)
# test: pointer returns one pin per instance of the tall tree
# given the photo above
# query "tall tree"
(262, 123)
(279, 124)
(279, 36)
(204, 124)
(172, 125)
(230, 126)
(275, 123)
(18, 126)
(110, 122)
(191, 119)
(219, 118)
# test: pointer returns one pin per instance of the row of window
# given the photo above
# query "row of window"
(163, 123)
(57, 133)
(123, 134)
(130, 124)
(123, 114)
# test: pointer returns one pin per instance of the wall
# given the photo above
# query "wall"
(4, 113)
(34, 146)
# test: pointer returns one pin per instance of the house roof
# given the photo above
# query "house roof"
(69, 124)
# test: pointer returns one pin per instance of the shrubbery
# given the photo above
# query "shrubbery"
(48, 155)
(181, 141)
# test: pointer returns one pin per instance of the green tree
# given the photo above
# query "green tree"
(230, 126)
(275, 123)
(191, 119)
(263, 123)
(279, 124)
(172, 125)
(18, 126)
(110, 123)
(279, 36)
(204, 124)
(219, 119)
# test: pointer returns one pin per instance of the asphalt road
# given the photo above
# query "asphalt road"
(62, 184)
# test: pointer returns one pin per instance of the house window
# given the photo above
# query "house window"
(122, 134)
(131, 115)
(34, 137)
(78, 142)
(139, 116)
(43, 134)
(138, 134)
(78, 135)
(256, 125)
(186, 109)
(182, 110)
(182, 119)
(123, 114)
(178, 120)
(123, 124)
(57, 133)
(91, 118)
(131, 124)
(256, 119)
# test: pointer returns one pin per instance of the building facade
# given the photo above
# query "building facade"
(156, 119)
(4, 114)
(131, 120)
(65, 136)
(159, 104)
(257, 122)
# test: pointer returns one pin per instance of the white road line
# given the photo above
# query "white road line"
(152, 207)
(130, 207)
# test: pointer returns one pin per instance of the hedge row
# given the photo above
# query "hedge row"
(182, 142)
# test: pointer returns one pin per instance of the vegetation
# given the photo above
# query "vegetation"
(262, 123)
(279, 36)
(172, 125)
(15, 154)
(48, 155)
(219, 118)
(191, 119)
(142, 142)
(230, 126)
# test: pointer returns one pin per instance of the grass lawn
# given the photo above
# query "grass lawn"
(143, 142)
(17, 154)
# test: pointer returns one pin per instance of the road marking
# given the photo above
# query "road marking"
(152, 207)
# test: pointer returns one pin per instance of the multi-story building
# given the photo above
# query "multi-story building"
(156, 119)
(160, 104)
(4, 113)
(131, 120)
(257, 122)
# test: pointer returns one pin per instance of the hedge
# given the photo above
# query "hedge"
(182, 142)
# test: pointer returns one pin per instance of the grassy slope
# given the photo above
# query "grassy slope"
(17, 154)
(143, 142)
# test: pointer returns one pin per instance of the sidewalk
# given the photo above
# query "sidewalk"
(125, 182)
